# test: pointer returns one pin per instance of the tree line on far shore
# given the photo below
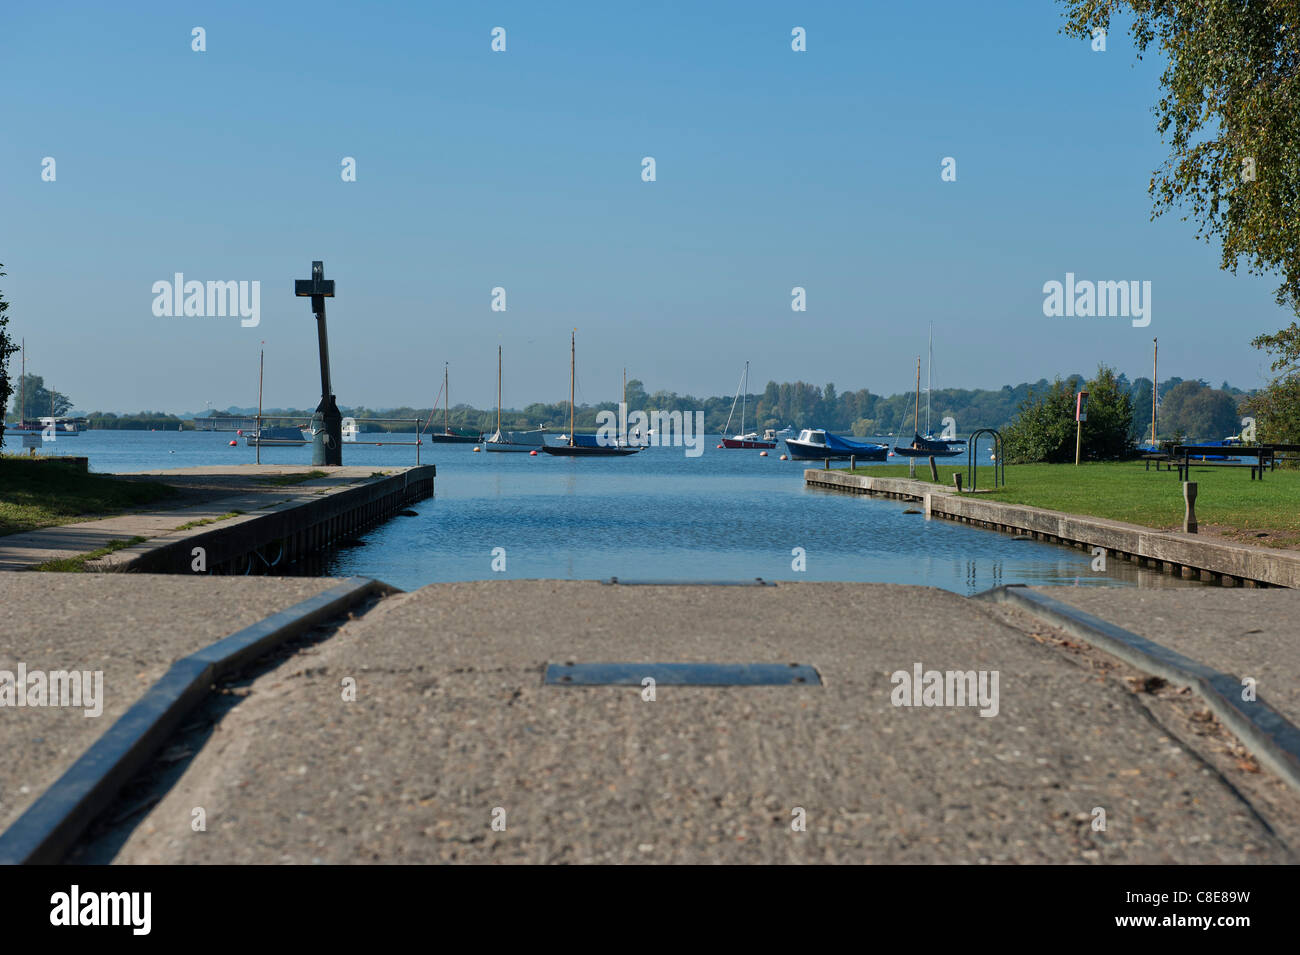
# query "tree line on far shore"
(1187, 409)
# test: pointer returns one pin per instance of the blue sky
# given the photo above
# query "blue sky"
(522, 170)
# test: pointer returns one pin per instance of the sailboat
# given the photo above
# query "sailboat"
(450, 435)
(24, 426)
(743, 440)
(512, 440)
(926, 447)
(572, 449)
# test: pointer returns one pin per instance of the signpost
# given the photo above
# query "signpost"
(1080, 416)
(327, 422)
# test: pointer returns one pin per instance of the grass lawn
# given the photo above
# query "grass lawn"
(41, 494)
(1228, 502)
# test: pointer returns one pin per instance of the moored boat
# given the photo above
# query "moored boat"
(816, 443)
(574, 449)
(743, 440)
(448, 434)
(283, 437)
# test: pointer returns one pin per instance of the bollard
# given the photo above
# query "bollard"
(853, 463)
(826, 464)
(934, 470)
(956, 480)
(1189, 495)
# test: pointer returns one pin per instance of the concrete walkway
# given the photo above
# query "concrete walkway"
(132, 627)
(208, 493)
(452, 728)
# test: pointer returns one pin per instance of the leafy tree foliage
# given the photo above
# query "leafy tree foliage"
(1277, 408)
(1201, 413)
(7, 348)
(1230, 108)
(1044, 430)
(40, 400)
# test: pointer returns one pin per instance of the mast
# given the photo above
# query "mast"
(498, 392)
(622, 439)
(740, 385)
(1155, 385)
(22, 390)
(573, 359)
(916, 414)
(446, 398)
(261, 365)
(744, 397)
(929, 369)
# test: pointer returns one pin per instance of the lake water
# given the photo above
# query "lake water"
(726, 515)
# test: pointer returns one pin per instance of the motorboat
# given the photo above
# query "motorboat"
(818, 444)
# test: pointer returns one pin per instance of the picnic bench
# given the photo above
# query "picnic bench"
(1264, 455)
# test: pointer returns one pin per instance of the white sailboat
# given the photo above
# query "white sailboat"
(512, 440)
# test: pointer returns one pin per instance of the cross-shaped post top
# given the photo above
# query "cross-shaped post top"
(317, 286)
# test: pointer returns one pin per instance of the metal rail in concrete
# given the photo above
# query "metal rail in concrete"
(49, 827)
(1186, 555)
(1266, 731)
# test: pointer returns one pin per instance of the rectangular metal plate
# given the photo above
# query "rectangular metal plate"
(682, 674)
(755, 582)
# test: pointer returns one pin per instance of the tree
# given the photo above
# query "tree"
(1231, 85)
(1201, 413)
(1277, 408)
(40, 400)
(7, 348)
(1044, 429)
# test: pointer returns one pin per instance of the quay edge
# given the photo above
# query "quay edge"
(1173, 552)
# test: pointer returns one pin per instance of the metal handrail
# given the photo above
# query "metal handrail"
(999, 459)
(417, 443)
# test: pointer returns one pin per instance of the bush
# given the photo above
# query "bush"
(1044, 428)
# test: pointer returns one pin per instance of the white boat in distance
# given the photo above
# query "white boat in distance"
(516, 440)
(512, 440)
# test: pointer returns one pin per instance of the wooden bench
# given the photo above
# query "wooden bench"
(1158, 458)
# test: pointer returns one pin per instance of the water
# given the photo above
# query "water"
(727, 515)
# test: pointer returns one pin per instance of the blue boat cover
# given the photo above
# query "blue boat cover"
(835, 443)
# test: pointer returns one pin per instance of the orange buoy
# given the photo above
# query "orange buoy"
(240, 432)
(476, 447)
(784, 458)
(234, 443)
(719, 447)
(762, 454)
(532, 454)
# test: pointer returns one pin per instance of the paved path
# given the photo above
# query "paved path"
(451, 725)
(207, 493)
(130, 626)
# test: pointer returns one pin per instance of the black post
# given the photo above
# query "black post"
(327, 422)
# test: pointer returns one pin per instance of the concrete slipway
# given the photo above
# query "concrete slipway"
(452, 728)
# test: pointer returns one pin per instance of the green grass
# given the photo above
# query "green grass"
(36, 493)
(207, 520)
(77, 565)
(282, 480)
(1227, 499)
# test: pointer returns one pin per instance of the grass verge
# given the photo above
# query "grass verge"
(77, 565)
(1263, 512)
(282, 480)
(188, 525)
(42, 493)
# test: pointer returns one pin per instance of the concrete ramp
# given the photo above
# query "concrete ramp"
(454, 750)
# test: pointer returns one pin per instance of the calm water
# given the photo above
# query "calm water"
(727, 515)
